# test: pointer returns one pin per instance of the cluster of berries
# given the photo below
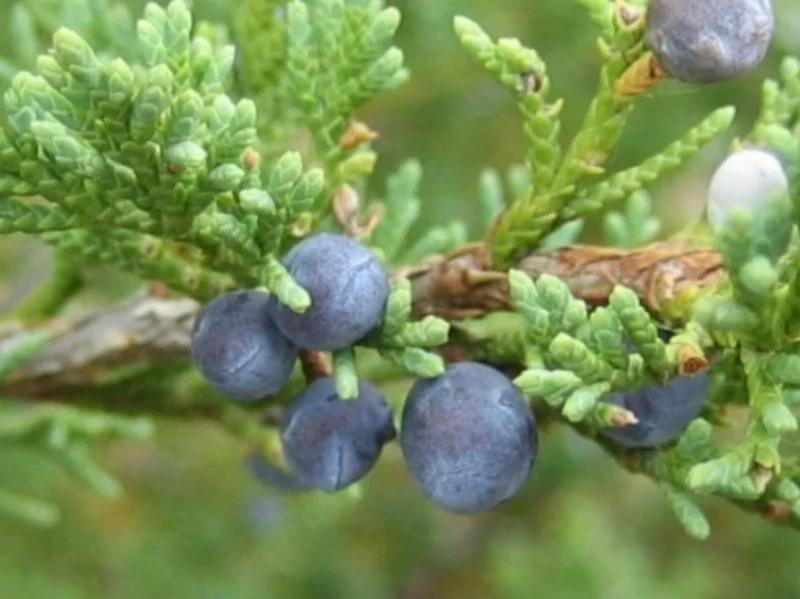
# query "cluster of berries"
(468, 436)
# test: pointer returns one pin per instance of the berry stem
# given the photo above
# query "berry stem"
(345, 373)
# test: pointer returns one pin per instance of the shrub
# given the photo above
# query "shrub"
(204, 159)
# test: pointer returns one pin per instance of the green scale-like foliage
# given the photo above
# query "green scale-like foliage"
(562, 183)
(113, 158)
(575, 354)
(155, 147)
(129, 155)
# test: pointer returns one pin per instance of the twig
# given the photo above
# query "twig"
(661, 274)
(315, 364)
(143, 329)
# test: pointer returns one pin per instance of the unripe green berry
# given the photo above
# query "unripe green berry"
(704, 41)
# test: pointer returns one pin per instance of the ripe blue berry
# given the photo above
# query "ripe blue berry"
(348, 288)
(330, 443)
(468, 437)
(703, 41)
(238, 349)
(663, 411)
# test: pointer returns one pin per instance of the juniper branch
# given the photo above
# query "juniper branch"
(457, 285)
(153, 333)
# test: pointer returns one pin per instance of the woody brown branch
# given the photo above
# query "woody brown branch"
(456, 285)
(461, 284)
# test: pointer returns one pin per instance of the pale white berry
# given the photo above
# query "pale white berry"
(746, 179)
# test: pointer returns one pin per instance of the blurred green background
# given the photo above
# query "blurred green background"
(194, 525)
